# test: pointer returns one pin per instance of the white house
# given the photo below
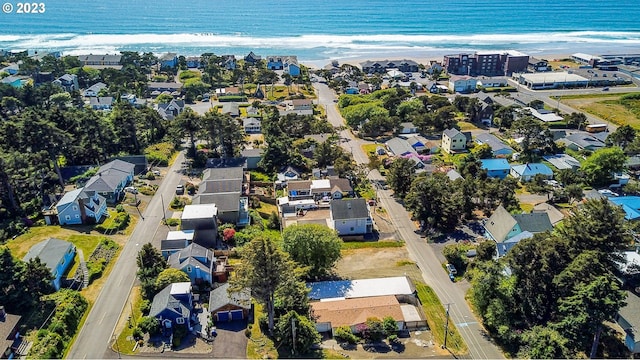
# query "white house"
(252, 125)
(462, 83)
(351, 217)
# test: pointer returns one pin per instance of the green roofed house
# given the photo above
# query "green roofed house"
(56, 254)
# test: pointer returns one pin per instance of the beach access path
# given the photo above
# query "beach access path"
(477, 340)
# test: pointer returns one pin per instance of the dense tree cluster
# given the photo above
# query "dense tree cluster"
(560, 288)
(22, 283)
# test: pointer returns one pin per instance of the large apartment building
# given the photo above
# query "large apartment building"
(486, 63)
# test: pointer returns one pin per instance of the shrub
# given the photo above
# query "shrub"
(150, 176)
(228, 234)
(149, 325)
(274, 221)
(137, 333)
(172, 221)
(120, 208)
(147, 190)
(95, 269)
(160, 153)
(344, 334)
(145, 306)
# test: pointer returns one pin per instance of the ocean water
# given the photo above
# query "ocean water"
(319, 30)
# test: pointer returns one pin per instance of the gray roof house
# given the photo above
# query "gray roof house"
(351, 217)
(172, 305)
(629, 320)
(94, 89)
(57, 255)
(196, 261)
(502, 225)
(226, 305)
(170, 110)
(399, 147)
(231, 108)
(497, 146)
(111, 179)
(581, 141)
(224, 187)
(101, 102)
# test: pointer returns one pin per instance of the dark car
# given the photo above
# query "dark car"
(180, 190)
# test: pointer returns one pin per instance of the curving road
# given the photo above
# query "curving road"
(422, 253)
(97, 333)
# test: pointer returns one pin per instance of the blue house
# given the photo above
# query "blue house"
(503, 226)
(630, 205)
(111, 179)
(496, 168)
(169, 60)
(13, 81)
(81, 207)
(172, 305)
(56, 254)
(503, 248)
(196, 261)
(526, 172)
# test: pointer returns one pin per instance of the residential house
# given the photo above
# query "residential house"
(133, 100)
(226, 305)
(252, 111)
(252, 125)
(323, 189)
(231, 108)
(101, 61)
(252, 156)
(301, 106)
(288, 173)
(140, 163)
(329, 172)
(171, 110)
(582, 141)
(453, 175)
(193, 62)
(538, 65)
(434, 67)
(229, 62)
(351, 217)
(629, 320)
(502, 226)
(8, 334)
(544, 115)
(101, 103)
(504, 247)
(196, 261)
(225, 188)
(361, 288)
(453, 141)
(13, 81)
(157, 88)
(498, 147)
(422, 145)
(400, 147)
(172, 306)
(630, 205)
(203, 219)
(176, 241)
(94, 89)
(485, 116)
(330, 315)
(407, 128)
(555, 215)
(291, 66)
(405, 66)
(526, 172)
(69, 82)
(252, 59)
(169, 60)
(111, 179)
(81, 207)
(563, 161)
(11, 69)
(496, 168)
(462, 84)
(434, 88)
(57, 255)
(491, 82)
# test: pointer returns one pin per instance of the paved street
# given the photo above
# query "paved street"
(97, 333)
(421, 252)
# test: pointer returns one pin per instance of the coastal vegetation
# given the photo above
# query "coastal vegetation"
(619, 109)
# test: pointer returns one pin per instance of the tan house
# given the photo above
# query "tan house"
(453, 141)
(353, 312)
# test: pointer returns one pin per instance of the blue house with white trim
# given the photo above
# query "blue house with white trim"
(496, 168)
(526, 172)
(498, 147)
(81, 207)
(56, 254)
(111, 179)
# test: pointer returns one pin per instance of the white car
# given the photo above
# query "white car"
(155, 172)
(131, 189)
(452, 269)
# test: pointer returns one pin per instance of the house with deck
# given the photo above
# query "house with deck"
(111, 179)
(81, 207)
(69, 82)
(225, 187)
(196, 261)
(94, 90)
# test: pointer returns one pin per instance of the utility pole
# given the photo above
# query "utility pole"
(446, 327)
(117, 346)
(164, 210)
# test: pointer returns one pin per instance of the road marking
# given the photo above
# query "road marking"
(102, 319)
(466, 323)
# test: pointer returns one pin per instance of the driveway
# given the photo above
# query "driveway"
(231, 342)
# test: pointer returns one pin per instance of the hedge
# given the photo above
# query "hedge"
(232, 98)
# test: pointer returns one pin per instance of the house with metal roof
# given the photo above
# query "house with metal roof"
(496, 168)
(225, 188)
(229, 306)
(202, 218)
(57, 255)
(498, 147)
(359, 288)
(172, 305)
(111, 179)
(502, 225)
(453, 141)
(563, 161)
(94, 89)
(503, 248)
(582, 141)
(196, 261)
(81, 207)
(630, 205)
(400, 147)
(526, 172)
(351, 217)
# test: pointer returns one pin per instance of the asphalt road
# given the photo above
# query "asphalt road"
(97, 333)
(422, 253)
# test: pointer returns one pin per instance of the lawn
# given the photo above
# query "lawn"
(259, 345)
(350, 245)
(526, 208)
(556, 64)
(609, 107)
(266, 209)
(21, 245)
(124, 345)
(467, 126)
(436, 318)
(369, 148)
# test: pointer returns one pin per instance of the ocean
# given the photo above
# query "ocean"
(320, 30)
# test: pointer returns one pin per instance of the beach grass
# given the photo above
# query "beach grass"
(609, 107)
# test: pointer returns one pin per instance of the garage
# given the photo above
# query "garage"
(237, 315)
(222, 316)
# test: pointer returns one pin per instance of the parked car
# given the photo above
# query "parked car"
(180, 190)
(452, 269)
(605, 89)
(131, 189)
(155, 172)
